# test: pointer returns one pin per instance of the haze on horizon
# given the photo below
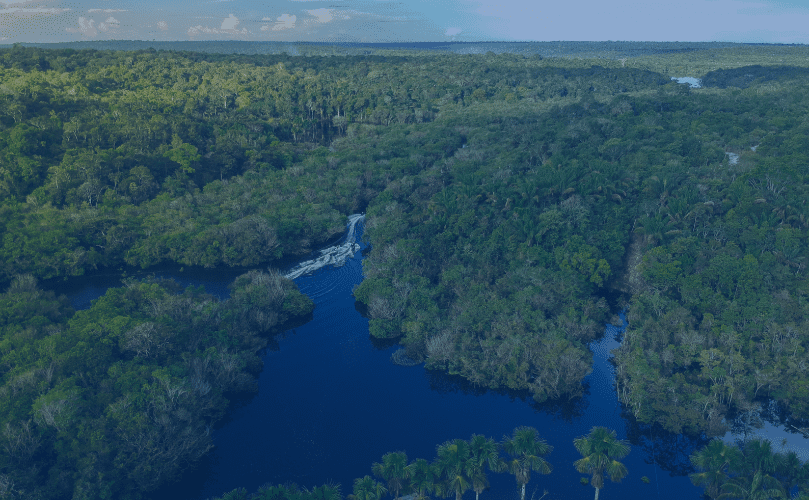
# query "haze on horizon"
(757, 21)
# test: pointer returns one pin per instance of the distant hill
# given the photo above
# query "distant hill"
(608, 49)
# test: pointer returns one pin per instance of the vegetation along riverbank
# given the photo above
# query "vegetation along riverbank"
(505, 196)
(724, 471)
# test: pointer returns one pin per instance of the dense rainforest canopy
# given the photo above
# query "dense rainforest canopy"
(506, 197)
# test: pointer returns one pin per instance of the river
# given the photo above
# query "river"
(330, 403)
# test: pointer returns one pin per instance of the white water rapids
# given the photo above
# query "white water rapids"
(336, 255)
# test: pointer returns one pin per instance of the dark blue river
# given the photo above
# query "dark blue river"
(330, 403)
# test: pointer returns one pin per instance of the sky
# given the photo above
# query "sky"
(761, 21)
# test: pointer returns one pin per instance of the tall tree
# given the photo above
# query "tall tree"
(477, 477)
(451, 464)
(483, 452)
(526, 448)
(713, 462)
(761, 486)
(758, 455)
(365, 488)
(789, 469)
(600, 451)
(393, 469)
(422, 477)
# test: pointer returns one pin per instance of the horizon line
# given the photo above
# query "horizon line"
(399, 42)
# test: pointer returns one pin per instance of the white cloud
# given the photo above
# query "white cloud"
(195, 30)
(452, 31)
(323, 15)
(87, 27)
(163, 25)
(9, 3)
(107, 11)
(32, 10)
(112, 20)
(284, 21)
(229, 23)
(206, 30)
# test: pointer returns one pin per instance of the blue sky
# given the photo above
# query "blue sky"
(772, 21)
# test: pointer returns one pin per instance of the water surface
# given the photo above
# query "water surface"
(330, 403)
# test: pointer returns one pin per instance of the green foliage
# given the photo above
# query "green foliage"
(600, 452)
(287, 492)
(183, 154)
(752, 471)
(525, 449)
(366, 488)
(501, 205)
(393, 469)
(116, 399)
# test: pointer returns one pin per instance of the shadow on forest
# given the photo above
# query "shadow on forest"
(668, 450)
(749, 75)
(567, 410)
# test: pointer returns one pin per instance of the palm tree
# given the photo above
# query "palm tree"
(422, 478)
(440, 486)
(483, 452)
(366, 488)
(477, 476)
(458, 482)
(485, 449)
(525, 448)
(713, 461)
(325, 492)
(600, 450)
(451, 465)
(393, 469)
(758, 455)
(788, 467)
(761, 487)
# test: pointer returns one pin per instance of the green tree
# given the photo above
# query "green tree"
(761, 486)
(422, 477)
(483, 452)
(183, 153)
(325, 492)
(758, 455)
(713, 462)
(526, 448)
(393, 469)
(365, 488)
(477, 476)
(600, 451)
(451, 464)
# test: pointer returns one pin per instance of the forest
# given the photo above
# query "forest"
(509, 200)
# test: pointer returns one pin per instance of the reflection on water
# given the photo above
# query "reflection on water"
(330, 403)
(770, 422)
(692, 82)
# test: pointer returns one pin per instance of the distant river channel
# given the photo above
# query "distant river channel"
(330, 403)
